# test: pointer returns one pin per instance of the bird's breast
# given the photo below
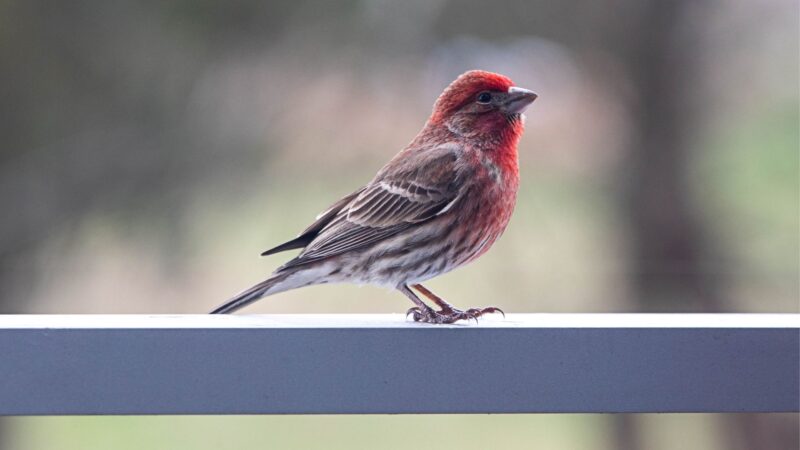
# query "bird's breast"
(487, 211)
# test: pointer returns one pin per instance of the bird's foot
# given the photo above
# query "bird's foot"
(449, 315)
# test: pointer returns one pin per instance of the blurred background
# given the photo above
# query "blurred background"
(150, 150)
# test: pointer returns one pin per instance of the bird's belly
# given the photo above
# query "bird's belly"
(402, 259)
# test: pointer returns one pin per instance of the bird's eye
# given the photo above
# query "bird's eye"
(484, 97)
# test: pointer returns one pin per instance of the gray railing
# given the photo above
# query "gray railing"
(342, 364)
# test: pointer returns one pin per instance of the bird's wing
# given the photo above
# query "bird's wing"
(414, 187)
(322, 220)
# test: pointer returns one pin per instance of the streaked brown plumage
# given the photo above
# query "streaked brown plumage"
(438, 204)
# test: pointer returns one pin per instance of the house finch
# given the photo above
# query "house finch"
(437, 205)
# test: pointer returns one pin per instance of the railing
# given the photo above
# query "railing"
(343, 364)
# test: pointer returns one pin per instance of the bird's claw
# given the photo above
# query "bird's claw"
(420, 315)
(487, 310)
(449, 315)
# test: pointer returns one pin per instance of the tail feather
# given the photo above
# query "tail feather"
(248, 296)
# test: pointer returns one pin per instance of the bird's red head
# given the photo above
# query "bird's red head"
(481, 103)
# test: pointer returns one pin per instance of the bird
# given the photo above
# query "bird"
(438, 204)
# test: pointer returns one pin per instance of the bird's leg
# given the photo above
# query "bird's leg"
(421, 312)
(448, 313)
(446, 307)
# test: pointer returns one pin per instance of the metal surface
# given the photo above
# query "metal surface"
(51, 365)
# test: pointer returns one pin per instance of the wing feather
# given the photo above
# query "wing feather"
(310, 233)
(413, 188)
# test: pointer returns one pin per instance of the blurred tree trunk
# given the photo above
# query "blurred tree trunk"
(767, 431)
(669, 248)
(670, 252)
(666, 240)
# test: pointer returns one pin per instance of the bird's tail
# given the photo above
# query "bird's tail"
(271, 285)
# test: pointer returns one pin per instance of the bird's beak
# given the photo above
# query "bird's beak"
(518, 100)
